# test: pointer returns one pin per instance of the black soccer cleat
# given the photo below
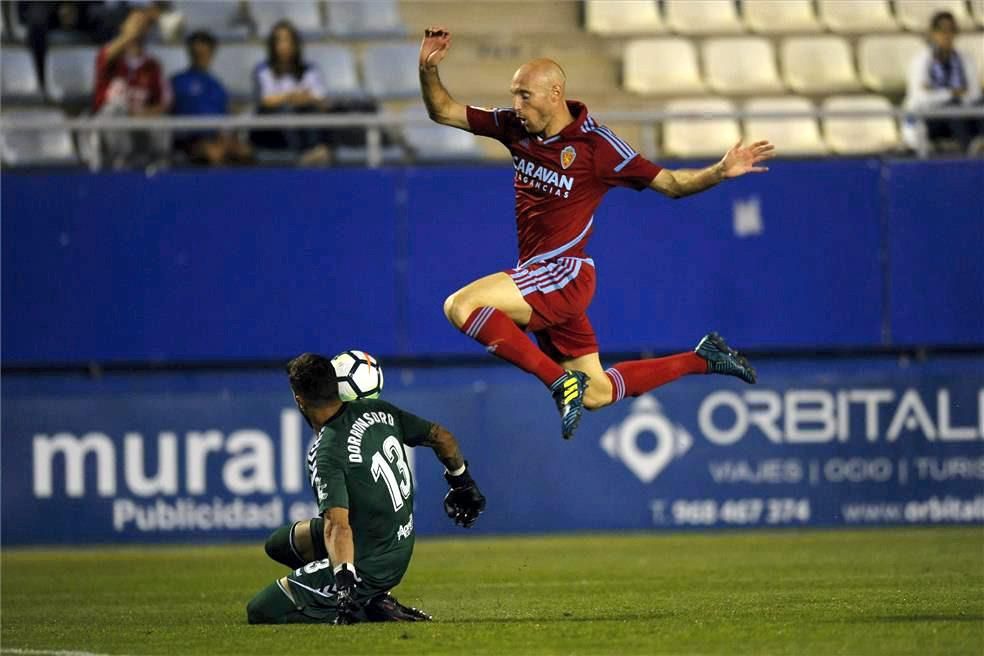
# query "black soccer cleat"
(385, 608)
(568, 393)
(722, 359)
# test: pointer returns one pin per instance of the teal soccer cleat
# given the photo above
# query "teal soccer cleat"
(568, 393)
(722, 359)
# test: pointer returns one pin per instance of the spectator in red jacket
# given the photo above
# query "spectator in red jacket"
(129, 82)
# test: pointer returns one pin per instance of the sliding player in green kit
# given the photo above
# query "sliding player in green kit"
(348, 560)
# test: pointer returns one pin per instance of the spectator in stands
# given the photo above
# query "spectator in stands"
(286, 84)
(129, 82)
(92, 22)
(199, 93)
(941, 76)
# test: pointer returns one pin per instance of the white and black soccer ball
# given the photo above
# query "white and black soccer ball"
(358, 374)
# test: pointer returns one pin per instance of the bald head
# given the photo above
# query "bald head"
(544, 75)
(539, 96)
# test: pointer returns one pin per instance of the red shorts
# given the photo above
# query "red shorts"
(559, 291)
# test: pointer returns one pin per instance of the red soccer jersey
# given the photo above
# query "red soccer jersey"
(145, 83)
(560, 181)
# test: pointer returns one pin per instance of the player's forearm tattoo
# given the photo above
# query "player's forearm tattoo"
(445, 447)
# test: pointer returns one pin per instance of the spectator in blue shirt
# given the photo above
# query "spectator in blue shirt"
(199, 93)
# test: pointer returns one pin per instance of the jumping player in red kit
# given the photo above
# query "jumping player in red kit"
(564, 163)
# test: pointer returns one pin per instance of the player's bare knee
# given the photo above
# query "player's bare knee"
(457, 308)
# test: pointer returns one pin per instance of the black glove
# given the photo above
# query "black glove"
(344, 590)
(464, 502)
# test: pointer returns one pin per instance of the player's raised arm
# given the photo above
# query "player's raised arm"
(441, 107)
(738, 161)
(464, 502)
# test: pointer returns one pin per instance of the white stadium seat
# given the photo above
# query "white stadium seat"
(234, 65)
(780, 16)
(972, 45)
(224, 19)
(18, 79)
(173, 58)
(619, 17)
(741, 65)
(703, 17)
(859, 136)
(390, 70)
(661, 66)
(883, 60)
(977, 8)
(305, 15)
(70, 73)
(338, 69)
(797, 136)
(851, 17)
(358, 18)
(916, 14)
(37, 147)
(699, 137)
(818, 65)
(432, 142)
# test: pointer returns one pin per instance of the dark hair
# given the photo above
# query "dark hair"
(296, 65)
(938, 18)
(201, 36)
(312, 377)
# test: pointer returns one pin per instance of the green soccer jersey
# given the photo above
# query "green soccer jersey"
(358, 461)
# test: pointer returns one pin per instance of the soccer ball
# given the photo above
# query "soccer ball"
(358, 374)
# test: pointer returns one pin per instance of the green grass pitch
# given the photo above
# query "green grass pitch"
(916, 591)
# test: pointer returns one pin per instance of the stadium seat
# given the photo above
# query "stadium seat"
(977, 8)
(857, 17)
(70, 73)
(304, 14)
(14, 28)
(337, 65)
(641, 75)
(432, 142)
(37, 147)
(617, 17)
(359, 19)
(224, 19)
(704, 17)
(858, 136)
(786, 17)
(390, 71)
(818, 65)
(741, 65)
(914, 15)
(18, 79)
(883, 60)
(972, 45)
(173, 58)
(797, 136)
(699, 137)
(234, 65)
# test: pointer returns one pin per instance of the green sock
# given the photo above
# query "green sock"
(280, 547)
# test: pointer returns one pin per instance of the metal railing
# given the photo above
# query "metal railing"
(375, 123)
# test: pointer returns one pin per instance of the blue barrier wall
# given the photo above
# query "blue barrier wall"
(257, 264)
(220, 457)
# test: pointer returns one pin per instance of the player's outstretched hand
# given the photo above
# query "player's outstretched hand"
(745, 159)
(464, 502)
(434, 48)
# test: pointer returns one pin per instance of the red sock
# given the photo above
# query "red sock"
(640, 376)
(504, 339)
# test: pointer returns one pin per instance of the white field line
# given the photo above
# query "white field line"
(47, 652)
